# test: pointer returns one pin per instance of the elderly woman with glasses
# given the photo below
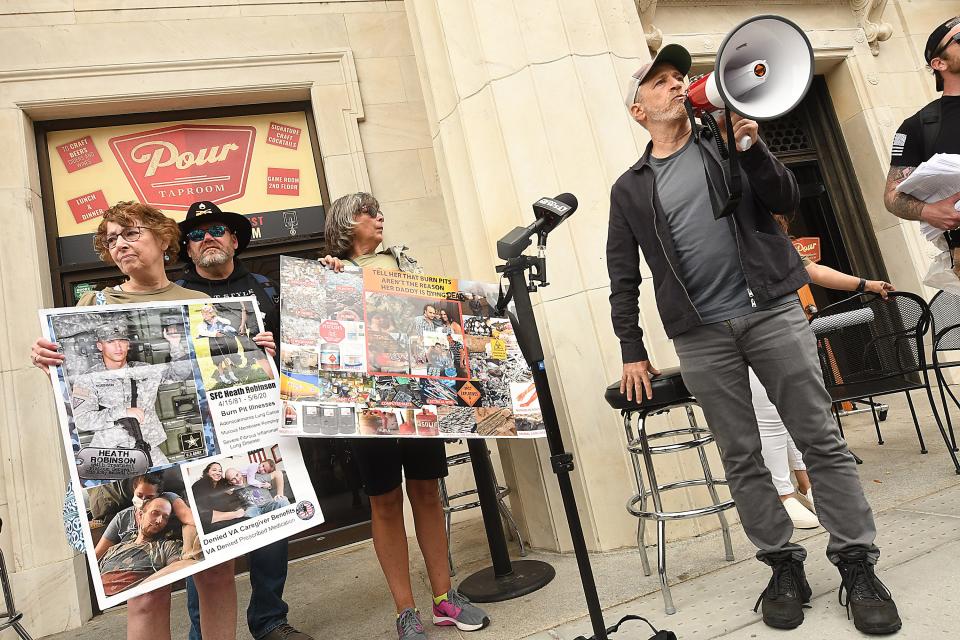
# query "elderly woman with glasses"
(354, 231)
(141, 241)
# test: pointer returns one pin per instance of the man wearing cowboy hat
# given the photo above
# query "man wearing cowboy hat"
(210, 241)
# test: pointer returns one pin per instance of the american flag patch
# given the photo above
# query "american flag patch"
(257, 456)
(899, 140)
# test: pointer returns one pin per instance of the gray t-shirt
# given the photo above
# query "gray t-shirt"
(706, 248)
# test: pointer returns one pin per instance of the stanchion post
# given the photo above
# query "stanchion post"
(504, 580)
(487, 496)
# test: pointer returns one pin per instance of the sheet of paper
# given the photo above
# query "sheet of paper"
(935, 179)
(932, 181)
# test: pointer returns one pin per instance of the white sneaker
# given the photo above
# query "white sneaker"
(801, 516)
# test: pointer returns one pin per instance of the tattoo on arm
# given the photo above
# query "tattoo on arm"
(900, 204)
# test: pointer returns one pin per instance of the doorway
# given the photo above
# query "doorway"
(809, 142)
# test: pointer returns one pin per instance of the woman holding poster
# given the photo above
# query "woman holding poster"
(140, 241)
(354, 230)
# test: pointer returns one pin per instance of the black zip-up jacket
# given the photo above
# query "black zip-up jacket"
(240, 283)
(771, 265)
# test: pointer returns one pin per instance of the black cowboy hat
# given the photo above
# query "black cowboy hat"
(205, 211)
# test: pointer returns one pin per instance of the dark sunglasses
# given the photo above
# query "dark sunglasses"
(370, 211)
(955, 38)
(197, 235)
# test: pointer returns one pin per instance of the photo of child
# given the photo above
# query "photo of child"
(223, 338)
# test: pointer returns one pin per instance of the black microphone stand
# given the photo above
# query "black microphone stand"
(528, 338)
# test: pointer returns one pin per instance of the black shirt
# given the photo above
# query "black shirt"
(908, 149)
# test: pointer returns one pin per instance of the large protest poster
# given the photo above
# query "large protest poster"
(381, 353)
(174, 400)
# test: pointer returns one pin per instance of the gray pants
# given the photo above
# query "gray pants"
(781, 349)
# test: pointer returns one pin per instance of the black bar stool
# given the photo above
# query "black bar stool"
(669, 393)
(9, 616)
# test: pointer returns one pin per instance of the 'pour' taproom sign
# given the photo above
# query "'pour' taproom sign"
(262, 166)
(173, 167)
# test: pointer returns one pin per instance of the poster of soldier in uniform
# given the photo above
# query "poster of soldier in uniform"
(379, 353)
(143, 392)
(130, 392)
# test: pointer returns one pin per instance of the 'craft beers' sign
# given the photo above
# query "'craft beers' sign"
(173, 167)
(263, 166)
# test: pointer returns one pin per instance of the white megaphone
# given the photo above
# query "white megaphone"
(763, 70)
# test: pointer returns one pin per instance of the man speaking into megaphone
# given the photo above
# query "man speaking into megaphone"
(726, 292)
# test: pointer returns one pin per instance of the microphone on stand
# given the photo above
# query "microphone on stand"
(549, 212)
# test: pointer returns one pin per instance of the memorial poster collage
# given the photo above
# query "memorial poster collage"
(380, 353)
(173, 400)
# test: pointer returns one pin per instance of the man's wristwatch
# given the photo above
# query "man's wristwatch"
(860, 287)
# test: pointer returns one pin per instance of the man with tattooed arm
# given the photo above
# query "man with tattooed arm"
(933, 129)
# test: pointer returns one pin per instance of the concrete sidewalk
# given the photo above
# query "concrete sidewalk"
(916, 499)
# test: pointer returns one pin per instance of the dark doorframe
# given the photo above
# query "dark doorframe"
(809, 141)
(841, 182)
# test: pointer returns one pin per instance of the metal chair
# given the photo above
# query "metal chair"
(870, 347)
(9, 616)
(945, 327)
(447, 500)
(669, 393)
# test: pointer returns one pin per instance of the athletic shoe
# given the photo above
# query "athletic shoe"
(802, 518)
(286, 632)
(786, 593)
(457, 610)
(409, 626)
(871, 603)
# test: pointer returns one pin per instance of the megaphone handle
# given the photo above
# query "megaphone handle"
(745, 143)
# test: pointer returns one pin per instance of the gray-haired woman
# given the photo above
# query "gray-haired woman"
(354, 231)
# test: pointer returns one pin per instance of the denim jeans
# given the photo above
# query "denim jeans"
(277, 503)
(267, 610)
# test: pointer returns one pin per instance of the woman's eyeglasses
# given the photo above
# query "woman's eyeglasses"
(197, 235)
(129, 235)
